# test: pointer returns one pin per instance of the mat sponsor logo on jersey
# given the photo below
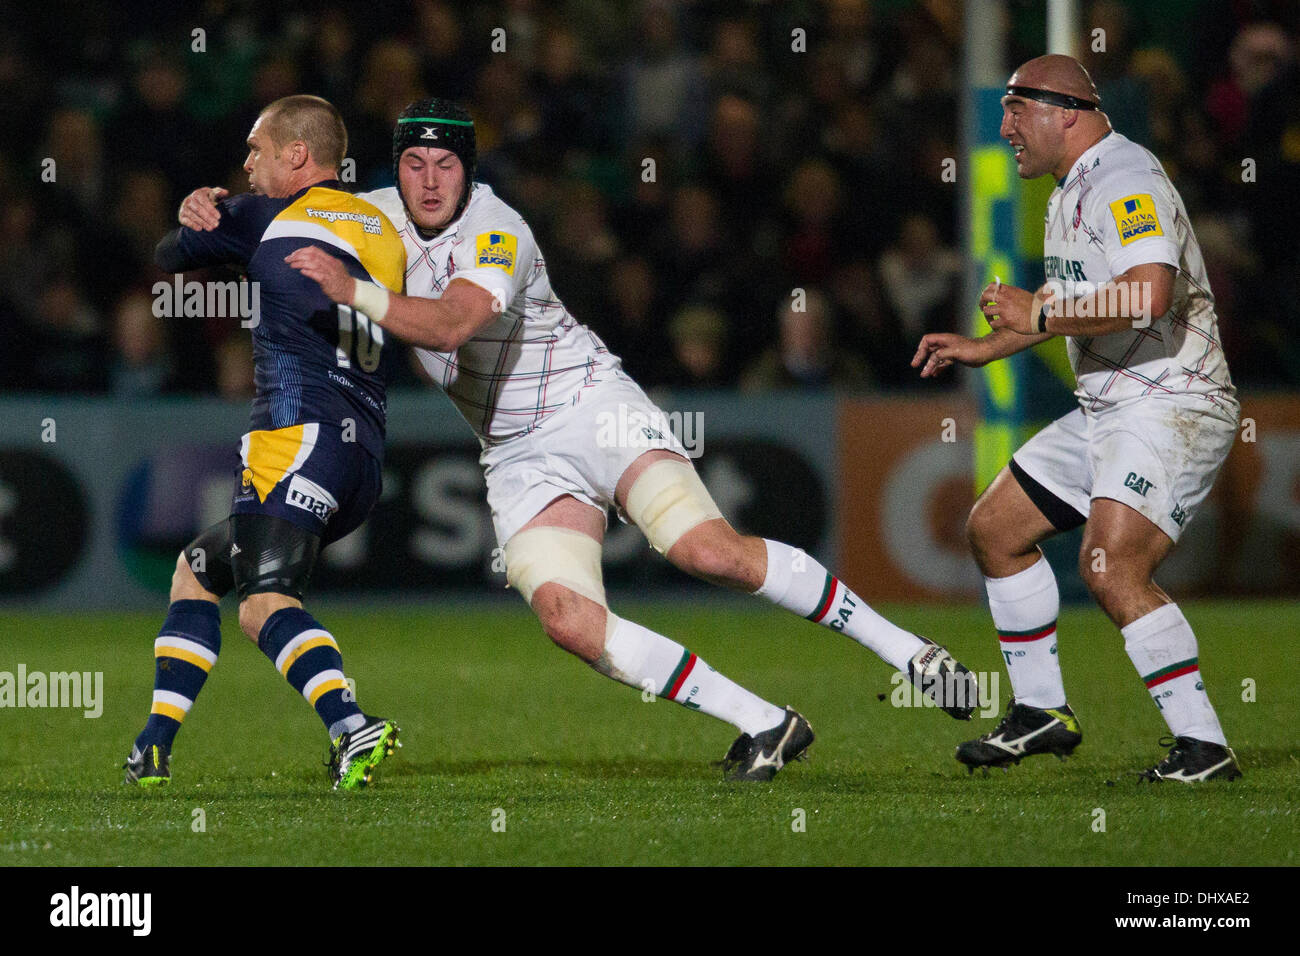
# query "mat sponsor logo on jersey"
(496, 249)
(306, 494)
(1135, 218)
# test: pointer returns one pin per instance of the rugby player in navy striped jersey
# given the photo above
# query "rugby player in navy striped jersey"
(311, 458)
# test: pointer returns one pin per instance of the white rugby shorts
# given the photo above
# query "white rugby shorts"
(581, 450)
(1157, 454)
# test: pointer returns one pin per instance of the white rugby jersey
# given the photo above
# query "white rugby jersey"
(1117, 209)
(534, 358)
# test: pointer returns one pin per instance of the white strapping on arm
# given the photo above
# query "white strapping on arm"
(371, 299)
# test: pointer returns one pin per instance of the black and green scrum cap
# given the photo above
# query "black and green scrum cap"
(441, 124)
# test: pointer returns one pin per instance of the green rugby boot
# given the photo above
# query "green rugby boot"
(354, 756)
(148, 769)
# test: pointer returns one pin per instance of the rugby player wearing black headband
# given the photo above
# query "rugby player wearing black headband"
(1158, 413)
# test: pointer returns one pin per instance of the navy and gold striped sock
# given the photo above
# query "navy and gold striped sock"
(187, 646)
(306, 654)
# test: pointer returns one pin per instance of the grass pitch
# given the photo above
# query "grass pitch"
(501, 727)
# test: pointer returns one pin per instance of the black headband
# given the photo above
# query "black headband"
(1052, 98)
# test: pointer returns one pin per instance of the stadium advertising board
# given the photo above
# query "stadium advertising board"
(905, 490)
(95, 516)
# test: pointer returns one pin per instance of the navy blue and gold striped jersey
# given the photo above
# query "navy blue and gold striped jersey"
(314, 361)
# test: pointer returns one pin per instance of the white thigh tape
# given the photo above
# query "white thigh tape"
(668, 500)
(555, 555)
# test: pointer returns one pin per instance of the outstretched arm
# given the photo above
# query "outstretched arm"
(938, 350)
(443, 324)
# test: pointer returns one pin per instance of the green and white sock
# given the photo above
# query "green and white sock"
(1163, 649)
(1024, 608)
(798, 583)
(640, 658)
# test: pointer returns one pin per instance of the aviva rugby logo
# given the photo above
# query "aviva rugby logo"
(1135, 218)
(496, 249)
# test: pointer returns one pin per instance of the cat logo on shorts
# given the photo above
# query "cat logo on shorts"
(496, 249)
(1135, 218)
(247, 478)
(1138, 483)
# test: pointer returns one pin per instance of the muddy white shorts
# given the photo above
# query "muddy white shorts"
(581, 450)
(1159, 455)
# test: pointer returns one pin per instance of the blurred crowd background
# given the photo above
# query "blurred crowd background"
(773, 169)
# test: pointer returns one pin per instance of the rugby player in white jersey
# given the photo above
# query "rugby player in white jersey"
(533, 383)
(1158, 414)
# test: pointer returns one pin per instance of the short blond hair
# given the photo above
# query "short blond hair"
(314, 121)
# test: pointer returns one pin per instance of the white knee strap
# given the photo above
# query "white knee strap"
(568, 558)
(667, 500)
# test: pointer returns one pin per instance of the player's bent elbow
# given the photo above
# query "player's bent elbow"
(438, 328)
(1159, 304)
(1153, 301)
(466, 309)
(167, 253)
(453, 338)
(439, 340)
(1154, 287)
